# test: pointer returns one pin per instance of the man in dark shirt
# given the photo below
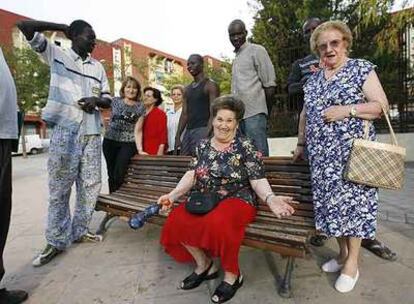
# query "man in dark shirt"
(302, 69)
(196, 114)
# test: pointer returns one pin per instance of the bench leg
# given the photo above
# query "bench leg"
(106, 222)
(285, 287)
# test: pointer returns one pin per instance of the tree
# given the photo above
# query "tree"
(176, 79)
(376, 33)
(221, 75)
(31, 77)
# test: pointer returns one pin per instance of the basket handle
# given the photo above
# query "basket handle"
(393, 137)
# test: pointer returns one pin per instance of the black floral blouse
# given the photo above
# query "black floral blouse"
(228, 172)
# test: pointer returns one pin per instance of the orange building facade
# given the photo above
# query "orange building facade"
(120, 58)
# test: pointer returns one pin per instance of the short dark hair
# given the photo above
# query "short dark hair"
(228, 102)
(198, 57)
(76, 28)
(311, 19)
(156, 93)
(239, 22)
(125, 82)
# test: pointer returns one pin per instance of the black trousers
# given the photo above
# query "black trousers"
(117, 155)
(5, 195)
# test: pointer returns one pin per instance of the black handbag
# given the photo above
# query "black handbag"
(202, 202)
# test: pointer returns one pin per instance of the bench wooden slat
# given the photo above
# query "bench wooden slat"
(282, 228)
(148, 177)
(149, 182)
(272, 235)
(274, 246)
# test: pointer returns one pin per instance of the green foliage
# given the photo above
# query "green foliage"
(376, 33)
(278, 26)
(142, 66)
(221, 75)
(31, 77)
(176, 79)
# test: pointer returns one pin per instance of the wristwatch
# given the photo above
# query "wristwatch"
(353, 111)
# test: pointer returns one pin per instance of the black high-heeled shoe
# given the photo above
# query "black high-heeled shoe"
(226, 291)
(194, 280)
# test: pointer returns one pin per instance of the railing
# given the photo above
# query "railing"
(285, 117)
(283, 120)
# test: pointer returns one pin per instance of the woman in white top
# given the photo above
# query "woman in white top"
(173, 115)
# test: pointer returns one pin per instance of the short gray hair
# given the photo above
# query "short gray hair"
(327, 26)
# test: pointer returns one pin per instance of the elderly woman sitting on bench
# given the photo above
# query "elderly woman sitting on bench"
(228, 167)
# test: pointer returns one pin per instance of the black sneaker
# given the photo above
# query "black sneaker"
(46, 256)
(12, 296)
(90, 237)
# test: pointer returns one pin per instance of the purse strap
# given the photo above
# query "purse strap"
(393, 137)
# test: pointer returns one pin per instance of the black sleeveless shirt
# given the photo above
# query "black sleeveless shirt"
(198, 106)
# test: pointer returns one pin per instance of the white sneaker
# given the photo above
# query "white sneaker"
(345, 283)
(332, 266)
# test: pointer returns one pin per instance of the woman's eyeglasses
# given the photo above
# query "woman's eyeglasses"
(333, 44)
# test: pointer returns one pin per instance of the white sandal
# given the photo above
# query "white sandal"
(346, 283)
(332, 266)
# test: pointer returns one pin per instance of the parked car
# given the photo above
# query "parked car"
(34, 144)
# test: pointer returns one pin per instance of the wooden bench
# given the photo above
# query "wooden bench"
(148, 177)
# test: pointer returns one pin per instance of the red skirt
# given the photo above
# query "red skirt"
(219, 233)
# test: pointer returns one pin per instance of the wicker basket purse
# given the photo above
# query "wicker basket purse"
(376, 164)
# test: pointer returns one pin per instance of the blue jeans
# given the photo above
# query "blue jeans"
(255, 128)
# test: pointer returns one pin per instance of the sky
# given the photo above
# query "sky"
(178, 27)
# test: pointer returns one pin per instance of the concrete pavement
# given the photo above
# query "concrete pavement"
(130, 267)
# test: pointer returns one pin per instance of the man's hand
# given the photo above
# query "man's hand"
(88, 104)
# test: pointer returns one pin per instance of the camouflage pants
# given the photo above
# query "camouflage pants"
(73, 158)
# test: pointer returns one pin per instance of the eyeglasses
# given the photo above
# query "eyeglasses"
(333, 44)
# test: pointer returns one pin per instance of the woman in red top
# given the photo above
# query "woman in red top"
(151, 131)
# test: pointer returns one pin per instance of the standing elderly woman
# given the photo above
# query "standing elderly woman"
(151, 130)
(119, 140)
(338, 98)
(231, 167)
(173, 115)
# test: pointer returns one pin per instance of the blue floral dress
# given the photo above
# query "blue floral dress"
(342, 208)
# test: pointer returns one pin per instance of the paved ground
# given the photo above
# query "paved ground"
(129, 267)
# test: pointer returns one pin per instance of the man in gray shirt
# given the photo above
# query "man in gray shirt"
(8, 133)
(253, 81)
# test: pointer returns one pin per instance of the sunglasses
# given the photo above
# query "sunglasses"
(333, 44)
